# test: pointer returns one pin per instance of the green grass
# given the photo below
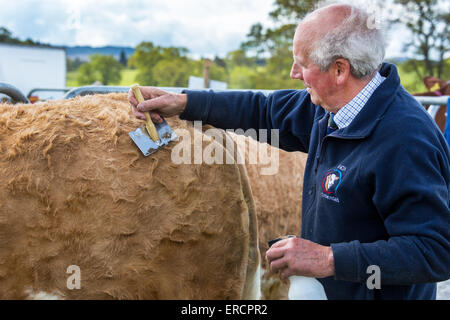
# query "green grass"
(411, 81)
(128, 78)
(71, 79)
(414, 83)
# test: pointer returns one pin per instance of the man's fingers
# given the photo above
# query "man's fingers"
(277, 265)
(138, 114)
(132, 98)
(154, 100)
(286, 273)
(152, 92)
(156, 118)
(281, 266)
(274, 253)
(151, 104)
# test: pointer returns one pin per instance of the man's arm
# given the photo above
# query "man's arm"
(289, 111)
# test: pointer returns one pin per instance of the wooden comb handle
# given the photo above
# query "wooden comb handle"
(149, 125)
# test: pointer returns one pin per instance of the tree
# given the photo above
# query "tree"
(274, 44)
(427, 20)
(85, 74)
(105, 69)
(217, 72)
(123, 58)
(73, 65)
(6, 36)
(171, 73)
(147, 56)
(429, 25)
(241, 77)
(287, 14)
(239, 58)
(220, 62)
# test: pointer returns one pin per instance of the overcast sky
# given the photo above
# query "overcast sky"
(206, 28)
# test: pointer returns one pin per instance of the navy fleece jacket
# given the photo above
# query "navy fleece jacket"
(376, 191)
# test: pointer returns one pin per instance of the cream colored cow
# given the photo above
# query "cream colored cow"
(75, 191)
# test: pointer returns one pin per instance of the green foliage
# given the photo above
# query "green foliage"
(71, 79)
(241, 77)
(408, 71)
(429, 25)
(239, 58)
(105, 69)
(128, 77)
(85, 74)
(123, 58)
(218, 73)
(263, 62)
(147, 56)
(273, 43)
(170, 67)
(220, 62)
(171, 73)
(292, 10)
(72, 65)
(6, 36)
(287, 14)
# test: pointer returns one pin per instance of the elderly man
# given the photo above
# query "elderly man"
(377, 182)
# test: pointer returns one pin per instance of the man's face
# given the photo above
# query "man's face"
(318, 84)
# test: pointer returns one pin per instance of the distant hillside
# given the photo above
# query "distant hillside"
(83, 52)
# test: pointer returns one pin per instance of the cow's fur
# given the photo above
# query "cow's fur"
(278, 200)
(75, 190)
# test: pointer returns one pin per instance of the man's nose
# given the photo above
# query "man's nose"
(296, 72)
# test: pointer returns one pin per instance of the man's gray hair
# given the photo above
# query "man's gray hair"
(356, 40)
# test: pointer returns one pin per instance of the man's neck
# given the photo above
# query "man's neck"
(350, 91)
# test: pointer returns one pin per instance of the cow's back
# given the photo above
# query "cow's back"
(75, 191)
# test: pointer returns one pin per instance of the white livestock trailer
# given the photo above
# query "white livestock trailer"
(34, 67)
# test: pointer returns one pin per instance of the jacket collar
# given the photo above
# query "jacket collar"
(369, 116)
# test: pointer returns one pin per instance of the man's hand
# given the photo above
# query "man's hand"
(296, 256)
(158, 102)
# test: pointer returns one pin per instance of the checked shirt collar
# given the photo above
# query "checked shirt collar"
(347, 113)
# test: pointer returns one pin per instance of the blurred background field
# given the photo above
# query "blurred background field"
(241, 78)
(127, 78)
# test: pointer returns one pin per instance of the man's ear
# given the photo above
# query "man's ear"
(341, 71)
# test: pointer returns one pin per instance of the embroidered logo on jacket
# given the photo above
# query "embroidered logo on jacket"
(331, 181)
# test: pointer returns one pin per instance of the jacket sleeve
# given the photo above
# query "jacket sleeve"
(291, 112)
(411, 184)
